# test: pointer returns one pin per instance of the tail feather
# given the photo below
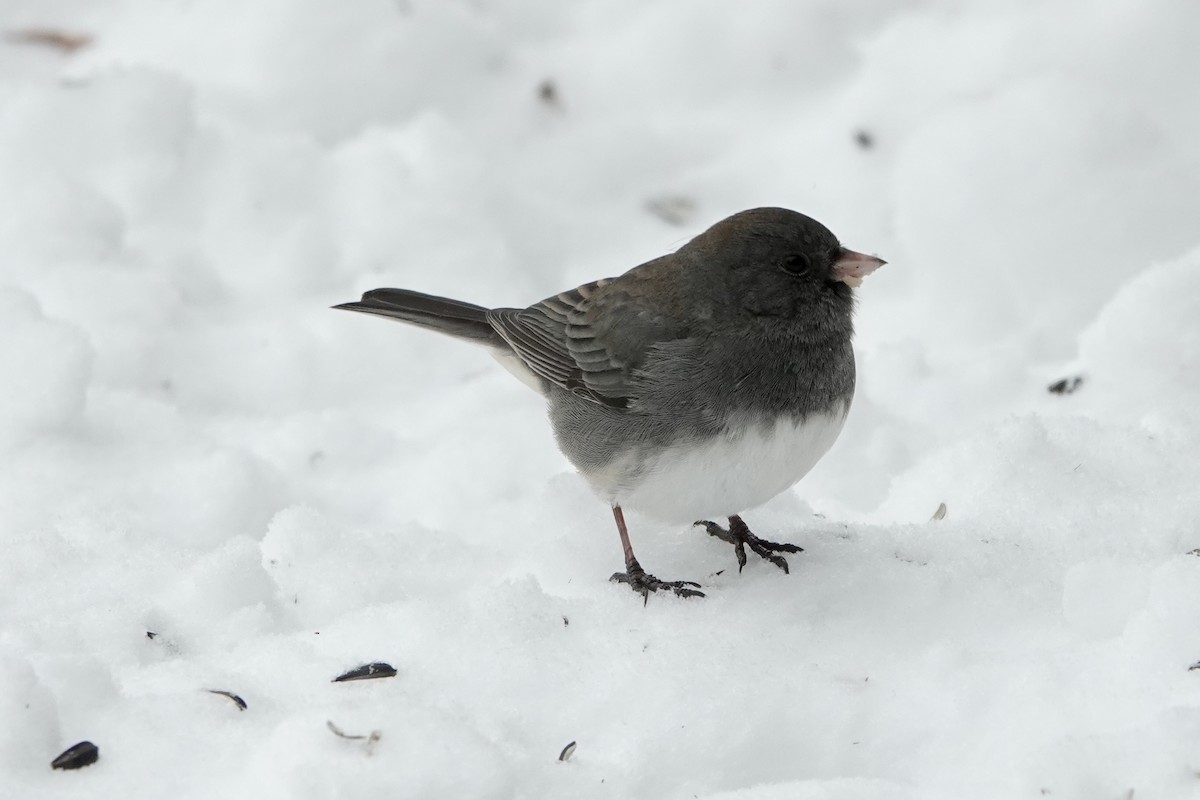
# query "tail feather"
(453, 317)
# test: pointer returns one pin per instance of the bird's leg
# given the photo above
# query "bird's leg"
(740, 537)
(636, 577)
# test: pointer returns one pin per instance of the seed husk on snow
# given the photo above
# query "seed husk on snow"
(241, 704)
(1066, 385)
(548, 93)
(339, 732)
(672, 209)
(370, 739)
(63, 41)
(76, 756)
(377, 669)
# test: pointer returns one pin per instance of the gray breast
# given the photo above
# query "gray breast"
(690, 389)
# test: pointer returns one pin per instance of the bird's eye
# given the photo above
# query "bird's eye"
(795, 264)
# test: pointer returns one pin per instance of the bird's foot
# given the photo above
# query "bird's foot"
(643, 583)
(740, 537)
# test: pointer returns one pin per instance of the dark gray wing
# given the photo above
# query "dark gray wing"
(558, 341)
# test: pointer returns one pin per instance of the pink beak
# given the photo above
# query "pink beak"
(851, 267)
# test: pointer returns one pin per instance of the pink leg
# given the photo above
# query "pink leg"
(636, 577)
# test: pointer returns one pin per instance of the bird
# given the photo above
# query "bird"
(699, 384)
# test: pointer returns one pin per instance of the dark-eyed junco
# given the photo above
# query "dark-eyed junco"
(699, 384)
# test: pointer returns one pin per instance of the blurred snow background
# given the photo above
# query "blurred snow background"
(192, 444)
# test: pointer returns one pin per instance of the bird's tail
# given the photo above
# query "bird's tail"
(453, 317)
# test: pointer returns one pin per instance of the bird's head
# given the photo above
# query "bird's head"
(772, 262)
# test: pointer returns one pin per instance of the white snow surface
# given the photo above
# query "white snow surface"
(192, 444)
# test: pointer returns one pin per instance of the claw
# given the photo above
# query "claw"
(740, 536)
(643, 583)
(636, 577)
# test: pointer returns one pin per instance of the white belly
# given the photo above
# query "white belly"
(725, 475)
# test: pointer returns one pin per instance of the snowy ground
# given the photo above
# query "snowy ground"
(192, 444)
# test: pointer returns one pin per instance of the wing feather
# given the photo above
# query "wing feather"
(555, 339)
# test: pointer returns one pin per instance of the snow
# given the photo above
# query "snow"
(193, 445)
